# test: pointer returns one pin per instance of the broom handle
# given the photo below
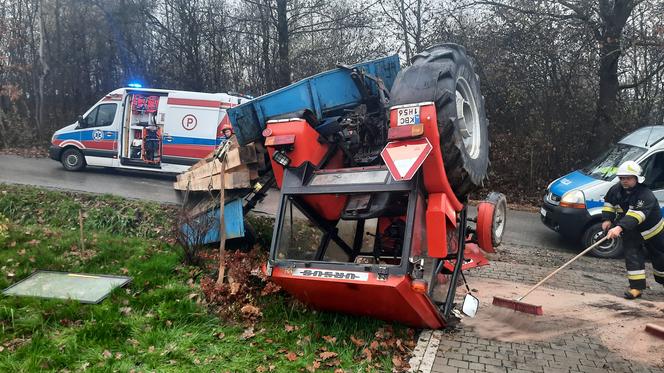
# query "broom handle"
(563, 266)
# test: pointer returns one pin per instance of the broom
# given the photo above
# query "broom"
(520, 306)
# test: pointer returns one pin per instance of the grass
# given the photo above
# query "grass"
(159, 322)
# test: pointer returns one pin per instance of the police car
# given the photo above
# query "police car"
(572, 205)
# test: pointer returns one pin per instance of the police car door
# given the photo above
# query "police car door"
(653, 170)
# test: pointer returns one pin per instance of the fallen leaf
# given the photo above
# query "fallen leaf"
(220, 335)
(339, 370)
(291, 356)
(151, 349)
(197, 361)
(272, 367)
(396, 360)
(333, 363)
(290, 328)
(356, 341)
(248, 333)
(261, 369)
(118, 356)
(374, 345)
(235, 288)
(21, 252)
(169, 323)
(106, 354)
(124, 270)
(125, 310)
(367, 354)
(251, 311)
(33, 242)
(329, 339)
(327, 355)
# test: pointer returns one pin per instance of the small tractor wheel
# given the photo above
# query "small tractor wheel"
(499, 219)
(72, 160)
(444, 74)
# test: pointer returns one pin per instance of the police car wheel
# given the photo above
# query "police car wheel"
(72, 160)
(608, 249)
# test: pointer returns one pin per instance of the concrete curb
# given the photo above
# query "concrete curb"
(425, 351)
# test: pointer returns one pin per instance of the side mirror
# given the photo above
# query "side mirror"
(82, 122)
(470, 305)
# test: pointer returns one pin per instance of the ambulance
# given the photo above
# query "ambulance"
(145, 129)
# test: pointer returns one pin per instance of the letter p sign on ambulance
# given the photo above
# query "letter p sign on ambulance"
(189, 122)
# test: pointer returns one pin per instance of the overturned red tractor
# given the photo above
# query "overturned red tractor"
(375, 166)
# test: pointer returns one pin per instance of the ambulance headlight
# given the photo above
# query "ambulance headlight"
(573, 199)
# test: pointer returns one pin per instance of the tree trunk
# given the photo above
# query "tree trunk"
(614, 14)
(43, 70)
(284, 70)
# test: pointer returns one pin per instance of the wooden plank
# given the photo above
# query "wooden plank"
(239, 178)
(240, 156)
(208, 170)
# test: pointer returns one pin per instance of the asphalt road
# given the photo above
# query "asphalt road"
(523, 228)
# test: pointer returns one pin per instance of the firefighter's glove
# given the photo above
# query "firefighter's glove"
(606, 225)
(614, 232)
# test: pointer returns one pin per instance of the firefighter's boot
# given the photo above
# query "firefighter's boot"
(633, 294)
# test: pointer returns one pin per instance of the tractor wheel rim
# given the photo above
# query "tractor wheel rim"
(499, 222)
(72, 160)
(468, 118)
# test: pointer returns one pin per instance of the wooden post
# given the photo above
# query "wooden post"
(222, 225)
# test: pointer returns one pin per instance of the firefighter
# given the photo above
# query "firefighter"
(631, 210)
(227, 130)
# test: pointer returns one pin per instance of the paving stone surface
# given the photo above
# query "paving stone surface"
(462, 350)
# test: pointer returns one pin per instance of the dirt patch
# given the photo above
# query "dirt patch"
(610, 319)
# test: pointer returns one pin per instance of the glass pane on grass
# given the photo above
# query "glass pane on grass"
(85, 288)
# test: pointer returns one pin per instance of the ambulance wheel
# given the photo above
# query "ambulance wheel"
(607, 249)
(72, 160)
(444, 74)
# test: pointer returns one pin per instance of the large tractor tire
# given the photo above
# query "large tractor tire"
(444, 74)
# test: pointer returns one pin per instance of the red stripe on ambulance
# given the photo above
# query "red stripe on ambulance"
(188, 151)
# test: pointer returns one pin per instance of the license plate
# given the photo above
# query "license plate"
(543, 211)
(408, 116)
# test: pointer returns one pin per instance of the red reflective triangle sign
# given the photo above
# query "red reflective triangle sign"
(403, 158)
